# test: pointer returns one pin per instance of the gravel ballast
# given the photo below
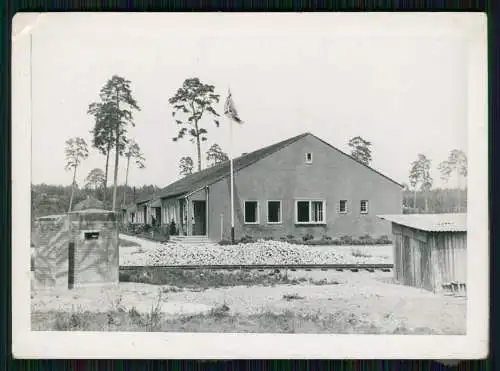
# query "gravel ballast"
(261, 252)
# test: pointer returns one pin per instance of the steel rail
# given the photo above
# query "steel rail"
(263, 266)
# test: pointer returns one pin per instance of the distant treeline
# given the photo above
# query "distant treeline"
(54, 199)
(435, 201)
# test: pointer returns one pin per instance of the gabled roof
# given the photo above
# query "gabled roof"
(430, 222)
(210, 175)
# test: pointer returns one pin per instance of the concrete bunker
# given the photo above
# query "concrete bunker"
(79, 248)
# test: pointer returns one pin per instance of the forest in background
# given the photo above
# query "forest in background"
(194, 104)
(54, 199)
(435, 201)
(49, 199)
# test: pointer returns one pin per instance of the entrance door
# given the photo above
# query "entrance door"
(200, 216)
(158, 215)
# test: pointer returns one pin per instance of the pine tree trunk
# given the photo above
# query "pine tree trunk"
(126, 182)
(117, 154)
(198, 147)
(72, 191)
(115, 181)
(106, 173)
(459, 193)
(414, 200)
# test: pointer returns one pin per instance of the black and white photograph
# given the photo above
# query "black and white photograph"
(205, 185)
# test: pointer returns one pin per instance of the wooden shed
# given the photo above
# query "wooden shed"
(430, 250)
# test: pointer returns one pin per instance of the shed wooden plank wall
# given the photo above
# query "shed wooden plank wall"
(411, 257)
(449, 257)
(428, 260)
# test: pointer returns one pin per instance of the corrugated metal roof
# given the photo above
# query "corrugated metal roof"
(50, 217)
(91, 211)
(431, 222)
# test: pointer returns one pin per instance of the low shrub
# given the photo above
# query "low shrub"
(289, 297)
(172, 229)
(307, 237)
(247, 239)
(225, 242)
(219, 311)
(360, 254)
(366, 237)
(384, 240)
(346, 240)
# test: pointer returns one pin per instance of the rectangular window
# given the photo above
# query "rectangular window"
(251, 212)
(317, 211)
(310, 212)
(309, 158)
(274, 211)
(363, 207)
(343, 206)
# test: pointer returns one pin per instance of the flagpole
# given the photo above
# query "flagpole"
(231, 175)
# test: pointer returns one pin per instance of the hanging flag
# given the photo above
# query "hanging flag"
(230, 110)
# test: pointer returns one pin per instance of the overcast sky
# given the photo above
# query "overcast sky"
(398, 81)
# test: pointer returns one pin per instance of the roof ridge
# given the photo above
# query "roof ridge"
(354, 159)
(238, 163)
(220, 171)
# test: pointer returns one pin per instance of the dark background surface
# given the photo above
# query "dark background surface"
(10, 7)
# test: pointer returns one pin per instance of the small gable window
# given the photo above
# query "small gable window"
(363, 207)
(309, 157)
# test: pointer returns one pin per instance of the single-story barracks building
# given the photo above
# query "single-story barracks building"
(299, 186)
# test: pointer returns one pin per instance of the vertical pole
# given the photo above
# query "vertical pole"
(232, 177)
(71, 265)
(206, 211)
(221, 226)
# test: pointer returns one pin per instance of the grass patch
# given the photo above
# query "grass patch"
(360, 254)
(127, 243)
(290, 297)
(218, 320)
(207, 278)
(177, 280)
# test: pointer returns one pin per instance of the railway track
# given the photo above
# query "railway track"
(262, 267)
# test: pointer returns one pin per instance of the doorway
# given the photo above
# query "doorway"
(200, 218)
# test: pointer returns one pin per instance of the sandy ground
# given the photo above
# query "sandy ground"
(380, 254)
(366, 295)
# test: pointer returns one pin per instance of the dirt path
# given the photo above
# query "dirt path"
(364, 296)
